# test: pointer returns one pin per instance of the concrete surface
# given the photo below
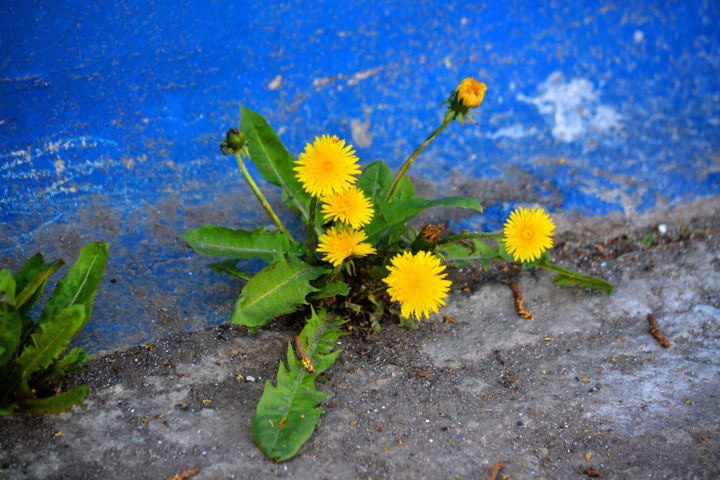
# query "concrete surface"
(582, 385)
(607, 114)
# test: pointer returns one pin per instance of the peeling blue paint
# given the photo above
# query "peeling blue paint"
(110, 116)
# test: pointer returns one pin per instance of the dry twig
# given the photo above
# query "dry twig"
(185, 474)
(591, 472)
(307, 363)
(655, 331)
(519, 304)
(495, 470)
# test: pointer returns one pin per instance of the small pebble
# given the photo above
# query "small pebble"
(249, 378)
(662, 228)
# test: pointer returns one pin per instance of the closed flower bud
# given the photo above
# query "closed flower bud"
(234, 141)
(427, 239)
(469, 94)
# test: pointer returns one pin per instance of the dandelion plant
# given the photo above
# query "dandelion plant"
(359, 261)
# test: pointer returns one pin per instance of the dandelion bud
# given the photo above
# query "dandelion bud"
(427, 239)
(234, 141)
(469, 94)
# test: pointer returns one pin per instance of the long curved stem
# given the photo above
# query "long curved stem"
(260, 196)
(404, 168)
(311, 233)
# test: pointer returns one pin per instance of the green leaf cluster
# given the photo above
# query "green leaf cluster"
(288, 411)
(32, 364)
(293, 277)
(391, 217)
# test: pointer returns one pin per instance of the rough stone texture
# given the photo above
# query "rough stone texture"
(583, 385)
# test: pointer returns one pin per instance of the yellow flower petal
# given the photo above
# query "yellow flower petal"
(327, 166)
(339, 244)
(350, 206)
(528, 233)
(471, 92)
(417, 283)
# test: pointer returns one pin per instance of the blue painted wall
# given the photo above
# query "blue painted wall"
(110, 115)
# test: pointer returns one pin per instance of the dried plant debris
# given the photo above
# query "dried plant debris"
(591, 472)
(655, 331)
(185, 474)
(495, 470)
(519, 302)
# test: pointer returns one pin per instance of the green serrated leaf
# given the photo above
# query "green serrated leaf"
(81, 282)
(458, 255)
(375, 181)
(33, 287)
(50, 339)
(461, 255)
(7, 287)
(582, 281)
(227, 242)
(61, 402)
(287, 413)
(396, 214)
(332, 289)
(404, 191)
(275, 290)
(503, 252)
(35, 264)
(229, 268)
(71, 362)
(273, 161)
(319, 337)
(293, 400)
(569, 278)
(10, 332)
(10, 321)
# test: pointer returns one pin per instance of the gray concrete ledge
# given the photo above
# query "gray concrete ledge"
(582, 385)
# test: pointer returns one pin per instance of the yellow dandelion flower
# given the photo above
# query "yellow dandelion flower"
(528, 233)
(327, 166)
(417, 282)
(471, 92)
(350, 206)
(339, 244)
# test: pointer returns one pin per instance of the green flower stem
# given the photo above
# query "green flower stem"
(260, 196)
(311, 233)
(468, 236)
(400, 173)
(336, 274)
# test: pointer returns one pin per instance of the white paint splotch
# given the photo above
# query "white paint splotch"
(513, 132)
(573, 108)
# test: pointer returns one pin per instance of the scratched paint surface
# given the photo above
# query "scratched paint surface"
(110, 117)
